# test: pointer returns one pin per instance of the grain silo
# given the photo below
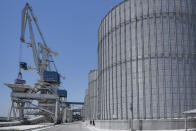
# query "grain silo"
(146, 60)
(92, 95)
(86, 105)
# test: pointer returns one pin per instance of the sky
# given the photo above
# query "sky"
(69, 28)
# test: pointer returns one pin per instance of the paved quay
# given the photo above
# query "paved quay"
(75, 126)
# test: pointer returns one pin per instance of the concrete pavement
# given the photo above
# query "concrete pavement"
(75, 126)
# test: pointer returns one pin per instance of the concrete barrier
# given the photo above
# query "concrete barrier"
(159, 124)
(162, 124)
(112, 124)
(6, 124)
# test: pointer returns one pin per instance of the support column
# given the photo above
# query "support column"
(56, 111)
(10, 110)
(14, 112)
(21, 111)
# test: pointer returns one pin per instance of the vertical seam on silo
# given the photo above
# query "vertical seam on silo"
(162, 43)
(131, 75)
(87, 99)
(97, 115)
(109, 68)
(177, 66)
(191, 55)
(149, 55)
(143, 68)
(172, 86)
(116, 67)
(112, 66)
(156, 55)
(91, 112)
(180, 9)
(105, 76)
(125, 62)
(95, 91)
(88, 106)
(136, 46)
(106, 71)
(89, 102)
(98, 67)
(90, 97)
(103, 70)
(186, 62)
(99, 76)
(121, 113)
(184, 58)
(194, 54)
(177, 59)
(102, 73)
(94, 98)
(188, 56)
(163, 48)
(170, 55)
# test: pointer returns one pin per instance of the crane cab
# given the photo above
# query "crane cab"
(51, 77)
(62, 93)
(23, 65)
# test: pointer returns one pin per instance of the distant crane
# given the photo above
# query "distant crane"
(44, 98)
(46, 90)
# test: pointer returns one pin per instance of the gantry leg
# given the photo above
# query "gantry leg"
(56, 111)
(10, 110)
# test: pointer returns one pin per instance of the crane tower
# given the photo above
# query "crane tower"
(44, 98)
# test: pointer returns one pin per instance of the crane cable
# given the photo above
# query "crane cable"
(20, 58)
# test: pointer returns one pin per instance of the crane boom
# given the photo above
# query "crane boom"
(26, 17)
(34, 48)
(42, 54)
(24, 23)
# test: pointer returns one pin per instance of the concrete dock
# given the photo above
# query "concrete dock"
(75, 126)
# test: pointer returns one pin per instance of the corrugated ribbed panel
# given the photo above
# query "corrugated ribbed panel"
(146, 55)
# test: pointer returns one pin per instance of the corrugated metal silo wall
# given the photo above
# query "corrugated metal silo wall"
(92, 95)
(86, 105)
(146, 54)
